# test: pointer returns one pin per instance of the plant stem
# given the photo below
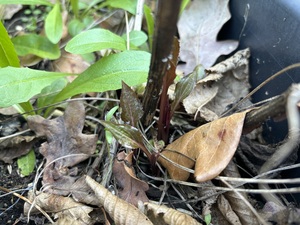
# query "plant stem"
(165, 29)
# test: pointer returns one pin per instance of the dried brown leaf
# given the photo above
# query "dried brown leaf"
(211, 145)
(226, 210)
(163, 215)
(119, 210)
(70, 63)
(198, 28)
(132, 109)
(15, 147)
(237, 204)
(66, 210)
(64, 138)
(133, 189)
(225, 84)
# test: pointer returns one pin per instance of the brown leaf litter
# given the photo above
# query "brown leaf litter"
(198, 28)
(66, 146)
(133, 189)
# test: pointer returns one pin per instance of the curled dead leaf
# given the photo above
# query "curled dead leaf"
(66, 210)
(119, 210)
(211, 145)
(133, 189)
(163, 215)
(224, 84)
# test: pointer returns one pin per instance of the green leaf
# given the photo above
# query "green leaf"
(129, 66)
(126, 135)
(8, 55)
(95, 40)
(48, 94)
(75, 26)
(36, 45)
(54, 24)
(132, 109)
(75, 7)
(128, 5)
(183, 5)
(137, 38)
(20, 84)
(108, 117)
(25, 108)
(26, 2)
(185, 86)
(26, 163)
(150, 23)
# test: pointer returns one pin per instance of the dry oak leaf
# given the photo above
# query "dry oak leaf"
(133, 189)
(224, 84)
(66, 141)
(208, 148)
(198, 29)
(65, 209)
(121, 212)
(163, 215)
(15, 147)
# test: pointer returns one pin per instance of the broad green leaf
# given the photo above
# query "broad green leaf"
(128, 5)
(150, 24)
(126, 135)
(8, 55)
(132, 109)
(75, 26)
(48, 94)
(54, 24)
(95, 40)
(20, 84)
(129, 66)
(26, 163)
(36, 45)
(137, 38)
(26, 2)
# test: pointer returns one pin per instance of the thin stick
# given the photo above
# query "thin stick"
(293, 66)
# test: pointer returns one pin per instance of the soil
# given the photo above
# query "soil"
(11, 207)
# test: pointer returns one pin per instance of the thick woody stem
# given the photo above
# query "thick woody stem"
(165, 29)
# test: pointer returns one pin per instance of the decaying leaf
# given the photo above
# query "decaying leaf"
(211, 145)
(65, 209)
(119, 210)
(132, 109)
(237, 204)
(225, 84)
(198, 28)
(226, 210)
(64, 138)
(163, 215)
(133, 189)
(15, 147)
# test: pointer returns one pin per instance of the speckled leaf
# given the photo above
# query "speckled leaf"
(185, 86)
(211, 145)
(126, 135)
(132, 109)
